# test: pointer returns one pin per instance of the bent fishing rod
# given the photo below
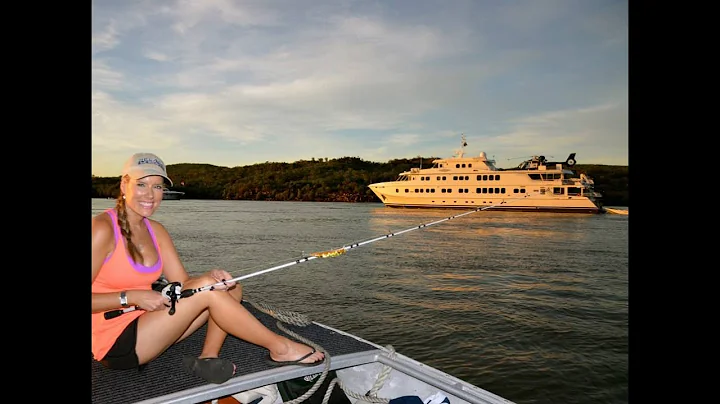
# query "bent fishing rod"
(173, 291)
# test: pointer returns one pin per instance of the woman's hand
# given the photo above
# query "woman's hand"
(148, 300)
(221, 275)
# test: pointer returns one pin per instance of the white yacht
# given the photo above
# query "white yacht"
(172, 195)
(474, 182)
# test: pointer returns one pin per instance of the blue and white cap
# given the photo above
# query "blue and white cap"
(142, 165)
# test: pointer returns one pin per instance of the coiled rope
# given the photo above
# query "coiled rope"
(301, 320)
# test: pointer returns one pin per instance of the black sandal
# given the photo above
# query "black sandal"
(214, 370)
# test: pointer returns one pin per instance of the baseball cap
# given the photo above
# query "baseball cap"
(142, 165)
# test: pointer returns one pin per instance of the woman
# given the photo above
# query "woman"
(129, 253)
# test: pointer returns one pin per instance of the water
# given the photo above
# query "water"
(532, 307)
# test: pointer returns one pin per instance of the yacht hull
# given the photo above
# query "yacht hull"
(391, 194)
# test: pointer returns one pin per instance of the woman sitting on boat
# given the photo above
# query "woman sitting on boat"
(129, 253)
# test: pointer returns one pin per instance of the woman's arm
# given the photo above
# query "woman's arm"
(103, 243)
(173, 269)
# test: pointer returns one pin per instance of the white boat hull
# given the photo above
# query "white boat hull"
(172, 195)
(392, 195)
(360, 366)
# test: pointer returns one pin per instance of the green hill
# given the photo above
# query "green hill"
(344, 179)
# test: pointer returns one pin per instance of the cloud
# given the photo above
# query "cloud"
(234, 83)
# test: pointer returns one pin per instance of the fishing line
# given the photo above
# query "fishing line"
(173, 291)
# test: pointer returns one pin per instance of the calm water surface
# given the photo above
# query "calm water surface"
(533, 307)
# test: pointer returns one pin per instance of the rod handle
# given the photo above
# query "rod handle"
(116, 313)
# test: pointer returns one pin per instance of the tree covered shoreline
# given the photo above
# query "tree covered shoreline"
(344, 179)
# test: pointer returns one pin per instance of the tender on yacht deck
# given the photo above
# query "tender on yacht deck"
(165, 381)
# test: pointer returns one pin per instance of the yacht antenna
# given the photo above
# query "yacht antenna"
(463, 143)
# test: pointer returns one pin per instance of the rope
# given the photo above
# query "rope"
(302, 320)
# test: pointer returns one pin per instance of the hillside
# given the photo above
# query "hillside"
(344, 179)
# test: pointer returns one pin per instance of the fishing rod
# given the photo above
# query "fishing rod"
(173, 291)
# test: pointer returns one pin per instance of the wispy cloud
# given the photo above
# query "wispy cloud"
(234, 83)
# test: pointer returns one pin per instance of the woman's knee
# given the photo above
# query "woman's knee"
(237, 291)
(205, 280)
(199, 282)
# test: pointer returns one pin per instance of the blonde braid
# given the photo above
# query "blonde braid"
(121, 210)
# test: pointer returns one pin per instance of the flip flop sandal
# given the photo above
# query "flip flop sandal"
(214, 370)
(272, 362)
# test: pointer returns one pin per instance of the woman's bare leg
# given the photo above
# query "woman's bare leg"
(215, 337)
(158, 330)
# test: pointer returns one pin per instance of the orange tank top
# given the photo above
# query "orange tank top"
(119, 272)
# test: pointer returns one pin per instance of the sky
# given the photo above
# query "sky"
(234, 82)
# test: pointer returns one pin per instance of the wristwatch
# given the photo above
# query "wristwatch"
(123, 299)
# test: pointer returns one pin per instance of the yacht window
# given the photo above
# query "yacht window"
(438, 178)
(444, 178)
(559, 191)
(460, 190)
(497, 177)
(470, 165)
(490, 190)
(432, 190)
(463, 166)
(454, 177)
(479, 177)
(457, 165)
(485, 177)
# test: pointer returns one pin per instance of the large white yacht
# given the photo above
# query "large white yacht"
(535, 185)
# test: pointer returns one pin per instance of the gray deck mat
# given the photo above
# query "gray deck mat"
(165, 374)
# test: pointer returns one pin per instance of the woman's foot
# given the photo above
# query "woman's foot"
(214, 370)
(297, 354)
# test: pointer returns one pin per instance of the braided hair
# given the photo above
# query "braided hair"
(121, 209)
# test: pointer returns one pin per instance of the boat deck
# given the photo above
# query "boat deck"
(165, 381)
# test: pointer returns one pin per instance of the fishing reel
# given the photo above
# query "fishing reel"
(172, 291)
